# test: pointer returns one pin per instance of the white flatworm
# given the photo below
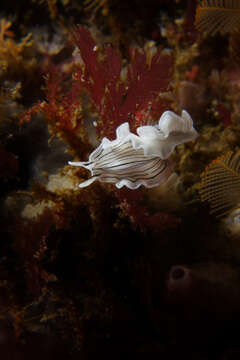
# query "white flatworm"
(135, 160)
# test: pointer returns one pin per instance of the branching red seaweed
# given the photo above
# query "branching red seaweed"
(117, 100)
(131, 202)
(31, 245)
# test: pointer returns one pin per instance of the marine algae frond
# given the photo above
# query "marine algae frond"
(218, 15)
(12, 52)
(95, 5)
(220, 184)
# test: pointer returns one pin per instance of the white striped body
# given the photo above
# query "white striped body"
(135, 160)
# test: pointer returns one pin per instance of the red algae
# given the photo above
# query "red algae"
(116, 100)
